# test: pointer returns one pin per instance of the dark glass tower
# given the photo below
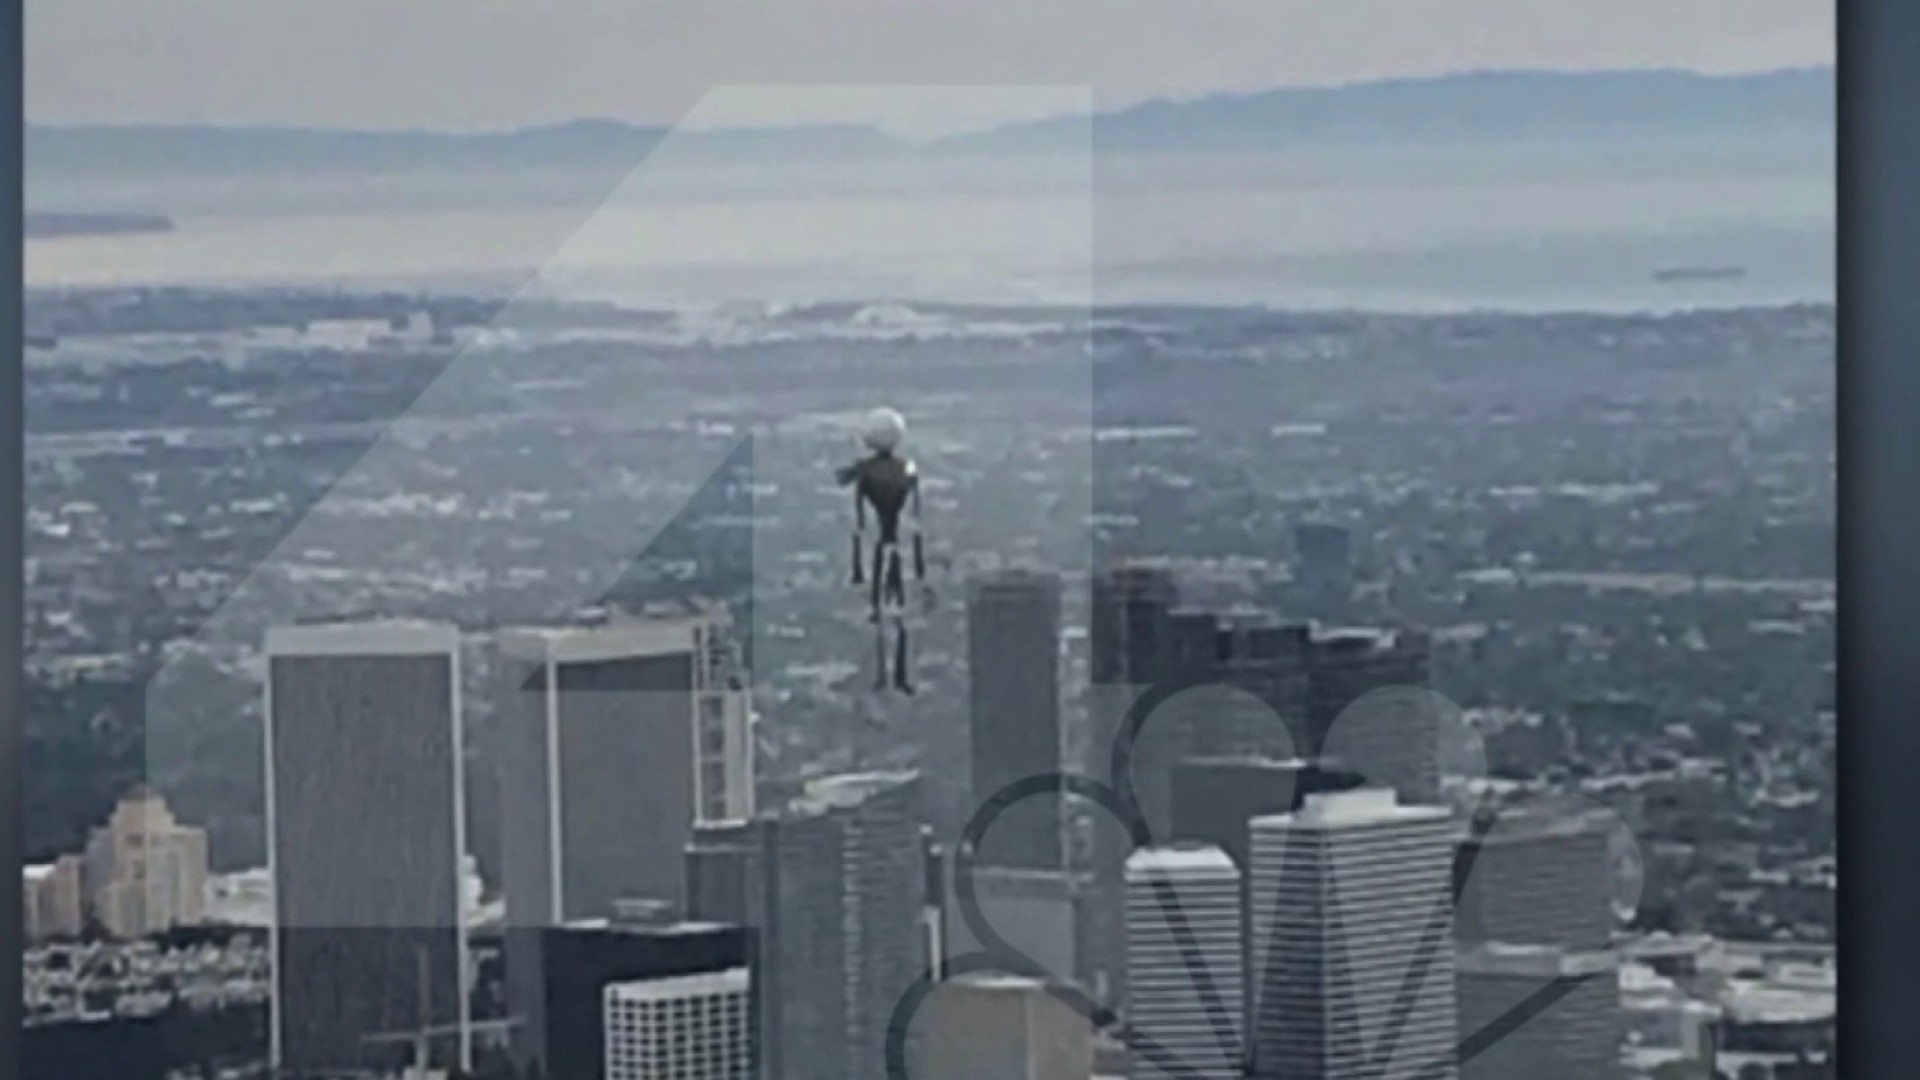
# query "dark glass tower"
(1013, 660)
(365, 832)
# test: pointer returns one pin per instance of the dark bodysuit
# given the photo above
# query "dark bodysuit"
(884, 482)
(887, 483)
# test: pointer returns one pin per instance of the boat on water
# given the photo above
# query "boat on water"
(1678, 274)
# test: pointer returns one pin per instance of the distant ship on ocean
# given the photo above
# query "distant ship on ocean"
(1677, 274)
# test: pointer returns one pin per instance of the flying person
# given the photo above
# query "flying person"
(888, 484)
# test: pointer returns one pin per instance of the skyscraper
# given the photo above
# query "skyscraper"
(620, 738)
(560, 1036)
(726, 872)
(1575, 1036)
(834, 888)
(1535, 907)
(1013, 664)
(1215, 801)
(364, 837)
(1355, 964)
(1003, 1027)
(1537, 878)
(1323, 569)
(1183, 963)
(1266, 661)
(851, 888)
(1369, 709)
(1035, 911)
(1131, 648)
(50, 899)
(686, 1027)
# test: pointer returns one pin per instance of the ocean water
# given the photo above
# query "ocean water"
(1558, 226)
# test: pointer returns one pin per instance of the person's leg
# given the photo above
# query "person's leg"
(896, 579)
(902, 681)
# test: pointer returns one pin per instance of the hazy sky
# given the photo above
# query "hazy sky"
(503, 63)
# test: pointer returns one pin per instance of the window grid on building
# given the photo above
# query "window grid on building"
(695, 1027)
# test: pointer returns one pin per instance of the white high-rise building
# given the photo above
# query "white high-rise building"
(50, 899)
(689, 1027)
(1353, 940)
(144, 872)
(1184, 968)
(619, 741)
(613, 726)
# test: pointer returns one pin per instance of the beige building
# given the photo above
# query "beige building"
(145, 872)
(50, 898)
(1003, 1026)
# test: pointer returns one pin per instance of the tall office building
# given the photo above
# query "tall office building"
(686, 1027)
(1013, 680)
(1369, 709)
(834, 888)
(620, 738)
(1215, 801)
(1355, 961)
(560, 1031)
(145, 872)
(726, 872)
(1183, 963)
(50, 899)
(1038, 912)
(1131, 647)
(985, 1026)
(1267, 663)
(848, 942)
(1575, 1036)
(365, 834)
(1323, 569)
(1537, 878)
(1535, 907)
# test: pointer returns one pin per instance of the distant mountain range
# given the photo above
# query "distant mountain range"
(1468, 107)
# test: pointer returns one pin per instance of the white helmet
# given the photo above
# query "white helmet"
(885, 428)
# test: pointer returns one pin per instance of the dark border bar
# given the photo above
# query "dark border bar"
(12, 533)
(1879, 478)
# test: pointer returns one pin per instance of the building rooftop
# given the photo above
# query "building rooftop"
(1358, 807)
(679, 926)
(1536, 961)
(650, 636)
(1771, 1002)
(847, 790)
(386, 637)
(1181, 857)
(998, 981)
(732, 980)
